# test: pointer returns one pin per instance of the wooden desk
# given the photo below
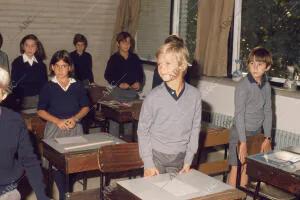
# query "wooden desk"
(284, 176)
(36, 126)
(77, 159)
(201, 187)
(28, 117)
(118, 113)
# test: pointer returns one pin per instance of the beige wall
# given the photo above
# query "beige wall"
(55, 22)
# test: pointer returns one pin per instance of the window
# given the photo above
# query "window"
(188, 24)
(153, 27)
(273, 24)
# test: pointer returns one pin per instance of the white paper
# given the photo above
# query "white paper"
(176, 187)
(70, 140)
(284, 156)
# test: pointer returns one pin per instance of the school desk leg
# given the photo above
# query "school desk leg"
(256, 190)
(67, 184)
(50, 181)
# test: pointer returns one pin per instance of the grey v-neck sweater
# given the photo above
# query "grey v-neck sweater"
(252, 107)
(169, 126)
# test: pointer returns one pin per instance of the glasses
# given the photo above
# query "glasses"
(61, 66)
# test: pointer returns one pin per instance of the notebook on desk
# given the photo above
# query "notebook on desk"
(292, 149)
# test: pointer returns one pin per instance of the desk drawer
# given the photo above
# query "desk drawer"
(273, 176)
(81, 162)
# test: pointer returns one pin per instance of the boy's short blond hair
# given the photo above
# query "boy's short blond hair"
(4, 80)
(261, 55)
(178, 50)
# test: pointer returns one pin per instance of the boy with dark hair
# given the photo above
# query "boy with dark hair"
(170, 118)
(252, 112)
(82, 60)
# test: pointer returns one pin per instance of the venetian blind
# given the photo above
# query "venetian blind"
(55, 22)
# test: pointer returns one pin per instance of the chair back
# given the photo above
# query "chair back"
(135, 110)
(97, 93)
(119, 158)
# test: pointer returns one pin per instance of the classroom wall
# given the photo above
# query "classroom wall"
(55, 22)
(218, 95)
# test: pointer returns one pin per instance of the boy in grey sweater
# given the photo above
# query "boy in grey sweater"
(252, 112)
(170, 119)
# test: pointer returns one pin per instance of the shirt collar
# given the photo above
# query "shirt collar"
(173, 92)
(71, 80)
(29, 60)
(252, 80)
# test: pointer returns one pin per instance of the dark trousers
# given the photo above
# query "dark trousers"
(59, 178)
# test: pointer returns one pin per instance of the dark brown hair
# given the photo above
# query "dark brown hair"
(174, 38)
(260, 54)
(40, 52)
(80, 38)
(123, 37)
(1, 40)
(64, 56)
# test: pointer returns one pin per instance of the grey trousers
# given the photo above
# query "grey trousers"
(168, 163)
(52, 131)
(11, 195)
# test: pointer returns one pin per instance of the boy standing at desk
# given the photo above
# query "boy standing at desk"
(252, 111)
(170, 119)
(16, 151)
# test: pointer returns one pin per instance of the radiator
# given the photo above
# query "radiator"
(282, 138)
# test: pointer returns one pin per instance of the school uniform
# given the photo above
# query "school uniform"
(17, 155)
(252, 113)
(28, 77)
(169, 127)
(83, 66)
(63, 104)
(120, 70)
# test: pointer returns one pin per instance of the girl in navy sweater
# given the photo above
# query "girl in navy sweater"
(63, 102)
(29, 73)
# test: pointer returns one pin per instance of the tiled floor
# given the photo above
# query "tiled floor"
(94, 181)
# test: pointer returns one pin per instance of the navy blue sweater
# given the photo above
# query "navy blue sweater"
(28, 79)
(63, 104)
(83, 66)
(119, 70)
(17, 154)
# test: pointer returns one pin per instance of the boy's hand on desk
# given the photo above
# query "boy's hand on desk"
(136, 85)
(243, 152)
(124, 86)
(186, 168)
(266, 146)
(151, 172)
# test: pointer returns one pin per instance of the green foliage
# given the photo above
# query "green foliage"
(192, 26)
(275, 25)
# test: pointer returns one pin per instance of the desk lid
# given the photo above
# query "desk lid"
(186, 186)
(84, 143)
(282, 160)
